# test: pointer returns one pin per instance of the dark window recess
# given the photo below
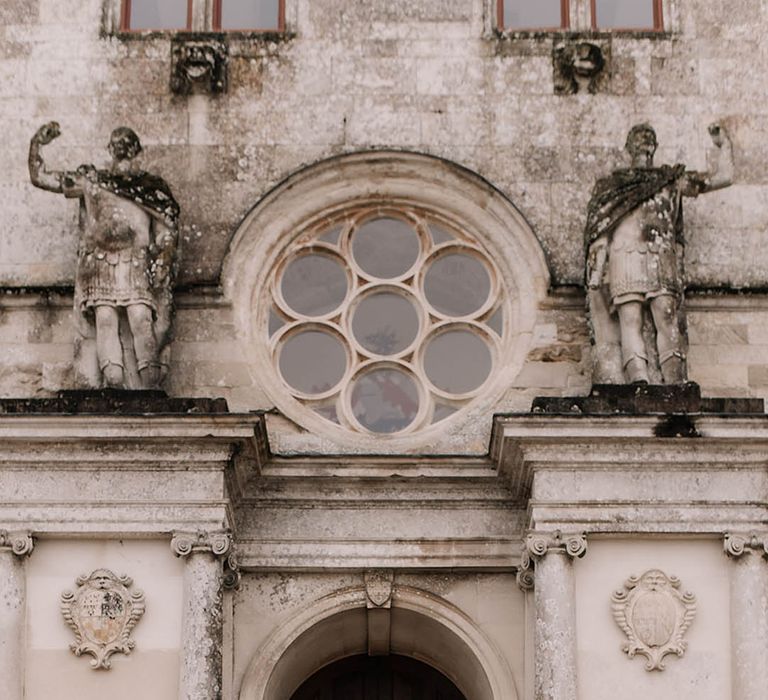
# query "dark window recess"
(533, 14)
(627, 14)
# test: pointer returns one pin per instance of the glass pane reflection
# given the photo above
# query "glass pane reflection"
(313, 361)
(457, 361)
(157, 14)
(385, 323)
(533, 14)
(385, 400)
(624, 14)
(457, 284)
(314, 285)
(250, 14)
(385, 248)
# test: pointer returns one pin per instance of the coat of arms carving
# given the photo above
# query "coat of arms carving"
(102, 612)
(654, 615)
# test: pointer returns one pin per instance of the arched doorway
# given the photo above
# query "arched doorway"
(391, 677)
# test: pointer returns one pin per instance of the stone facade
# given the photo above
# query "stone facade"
(424, 104)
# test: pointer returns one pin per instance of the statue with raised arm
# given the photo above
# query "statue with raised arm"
(125, 260)
(634, 246)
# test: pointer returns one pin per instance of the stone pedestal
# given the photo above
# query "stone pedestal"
(200, 674)
(749, 615)
(13, 548)
(555, 601)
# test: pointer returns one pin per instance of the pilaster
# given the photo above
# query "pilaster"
(14, 547)
(200, 674)
(552, 554)
(749, 613)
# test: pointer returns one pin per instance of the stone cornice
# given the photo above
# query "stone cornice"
(18, 543)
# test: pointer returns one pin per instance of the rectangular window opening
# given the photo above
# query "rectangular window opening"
(249, 15)
(532, 15)
(627, 15)
(156, 15)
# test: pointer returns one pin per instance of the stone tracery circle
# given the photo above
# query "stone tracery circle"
(413, 304)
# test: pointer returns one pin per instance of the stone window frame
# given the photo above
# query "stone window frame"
(200, 19)
(582, 19)
(382, 178)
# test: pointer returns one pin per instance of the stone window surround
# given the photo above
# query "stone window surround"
(201, 20)
(581, 21)
(398, 178)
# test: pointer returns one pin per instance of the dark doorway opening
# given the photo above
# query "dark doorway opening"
(378, 678)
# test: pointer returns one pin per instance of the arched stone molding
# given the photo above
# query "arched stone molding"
(335, 627)
(319, 191)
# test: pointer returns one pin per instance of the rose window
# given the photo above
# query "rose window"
(385, 320)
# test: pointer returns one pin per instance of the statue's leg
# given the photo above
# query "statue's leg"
(109, 351)
(633, 353)
(144, 344)
(669, 340)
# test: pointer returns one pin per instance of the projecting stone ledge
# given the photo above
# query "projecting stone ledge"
(635, 399)
(113, 402)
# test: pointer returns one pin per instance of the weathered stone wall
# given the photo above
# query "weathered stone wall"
(422, 76)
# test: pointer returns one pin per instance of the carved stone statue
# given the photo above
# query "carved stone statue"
(635, 279)
(125, 261)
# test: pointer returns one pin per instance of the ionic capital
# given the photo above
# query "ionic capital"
(539, 544)
(18, 543)
(184, 544)
(738, 544)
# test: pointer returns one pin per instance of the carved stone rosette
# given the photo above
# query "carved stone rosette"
(654, 615)
(102, 612)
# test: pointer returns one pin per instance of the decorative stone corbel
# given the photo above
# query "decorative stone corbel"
(577, 66)
(654, 615)
(232, 574)
(199, 64)
(378, 601)
(18, 543)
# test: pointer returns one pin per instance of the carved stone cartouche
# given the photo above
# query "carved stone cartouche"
(102, 612)
(654, 615)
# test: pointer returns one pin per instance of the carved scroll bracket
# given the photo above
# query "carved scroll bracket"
(219, 544)
(538, 544)
(736, 545)
(654, 615)
(18, 543)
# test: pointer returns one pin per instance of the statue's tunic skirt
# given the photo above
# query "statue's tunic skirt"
(115, 278)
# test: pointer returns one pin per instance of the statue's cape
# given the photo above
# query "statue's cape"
(146, 190)
(619, 194)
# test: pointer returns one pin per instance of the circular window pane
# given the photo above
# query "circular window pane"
(385, 248)
(457, 361)
(385, 400)
(313, 361)
(314, 285)
(385, 323)
(457, 284)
